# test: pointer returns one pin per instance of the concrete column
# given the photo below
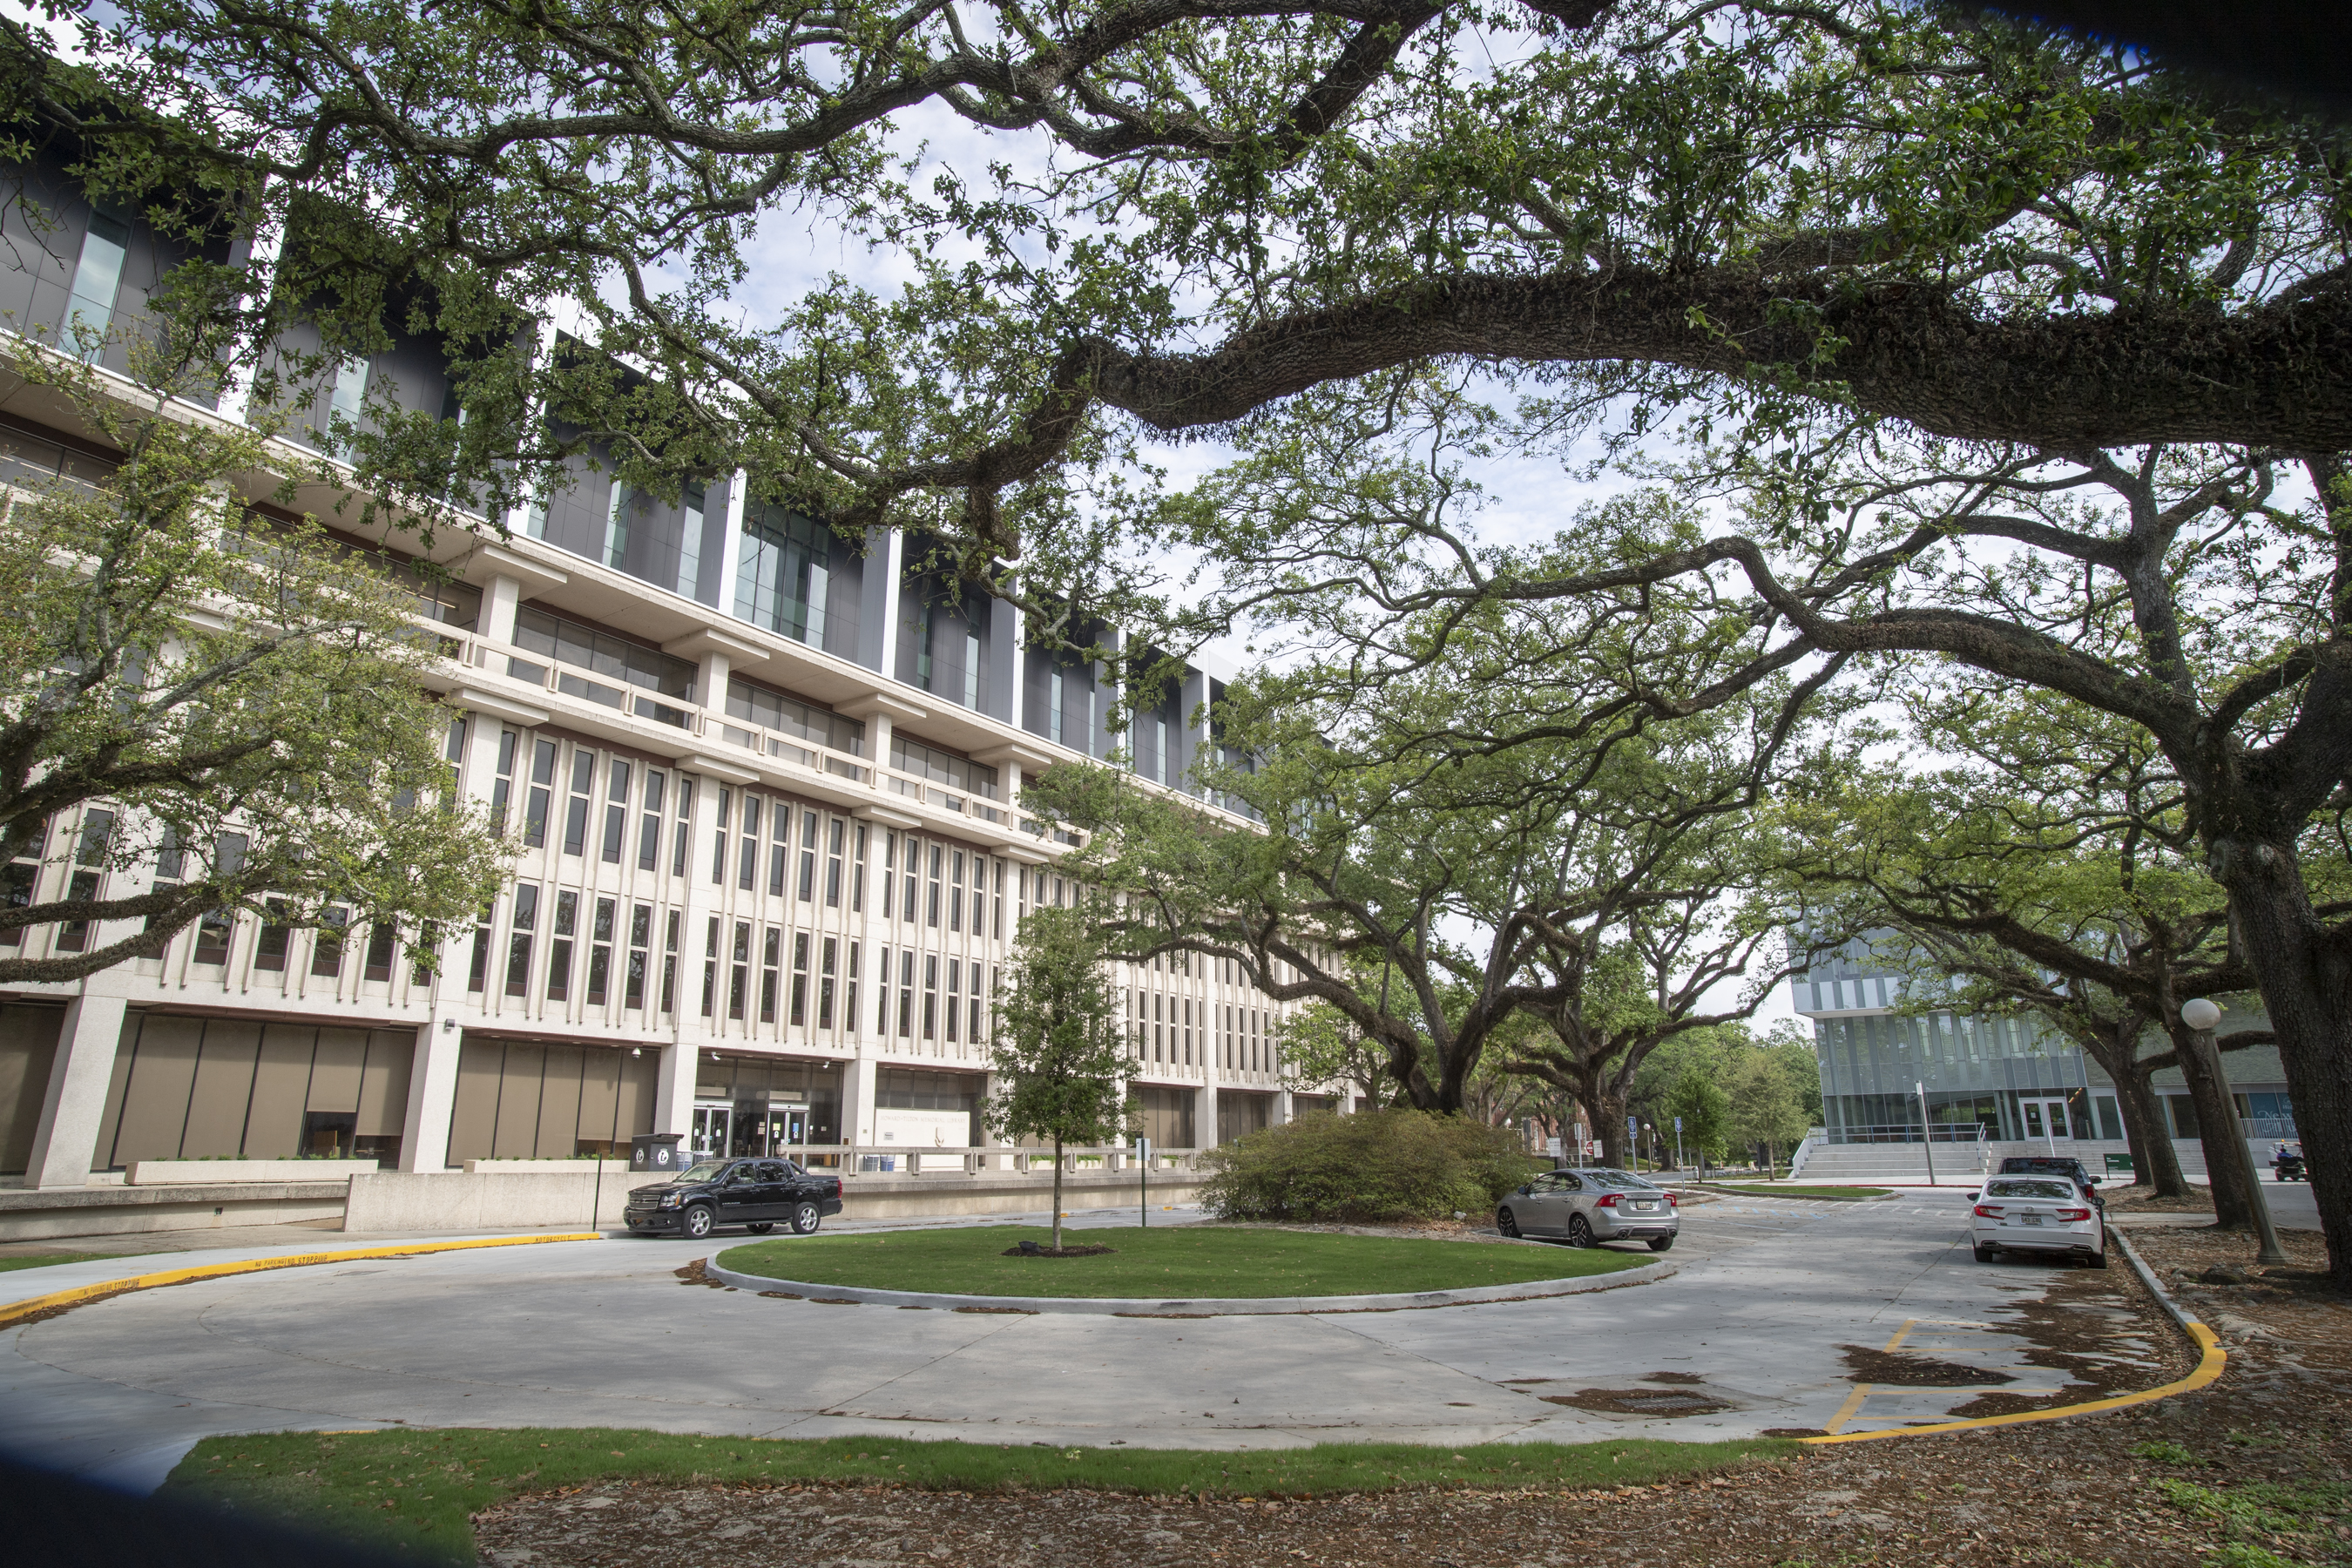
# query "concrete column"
(711, 681)
(501, 595)
(433, 1080)
(730, 542)
(877, 607)
(878, 743)
(1283, 1113)
(1204, 1114)
(65, 1140)
(857, 1101)
(674, 1087)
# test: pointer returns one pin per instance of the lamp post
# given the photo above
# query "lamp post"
(2201, 1016)
(1926, 1130)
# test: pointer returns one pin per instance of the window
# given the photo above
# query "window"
(808, 855)
(684, 823)
(1054, 708)
(772, 710)
(718, 838)
(382, 938)
(526, 916)
(559, 947)
(97, 279)
(269, 947)
(583, 648)
(931, 906)
(942, 767)
(825, 985)
(599, 952)
(998, 930)
(955, 996)
(478, 969)
(931, 996)
(649, 828)
(620, 504)
(800, 978)
(833, 865)
(504, 786)
(849, 1002)
(542, 780)
(710, 967)
(857, 874)
(882, 987)
(669, 963)
(747, 859)
(906, 992)
(782, 580)
(914, 852)
(326, 943)
(768, 963)
(576, 818)
(633, 987)
(616, 810)
(739, 969)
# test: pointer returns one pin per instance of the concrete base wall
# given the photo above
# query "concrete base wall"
(211, 1173)
(123, 1211)
(914, 1198)
(413, 1200)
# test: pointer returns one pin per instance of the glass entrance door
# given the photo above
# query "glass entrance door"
(2046, 1119)
(711, 1125)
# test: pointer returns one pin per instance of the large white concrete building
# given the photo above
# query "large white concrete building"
(768, 787)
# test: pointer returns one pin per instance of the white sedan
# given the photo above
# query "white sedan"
(2044, 1215)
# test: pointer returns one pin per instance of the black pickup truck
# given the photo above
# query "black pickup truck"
(757, 1194)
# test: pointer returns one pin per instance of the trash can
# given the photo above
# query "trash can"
(658, 1153)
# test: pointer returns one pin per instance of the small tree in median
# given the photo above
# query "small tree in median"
(1059, 1053)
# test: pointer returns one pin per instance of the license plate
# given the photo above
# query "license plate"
(2028, 1219)
(1646, 1207)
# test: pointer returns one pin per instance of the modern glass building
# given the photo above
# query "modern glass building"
(2013, 1077)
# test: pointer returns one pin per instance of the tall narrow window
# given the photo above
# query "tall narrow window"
(542, 782)
(97, 279)
(641, 925)
(825, 985)
(747, 861)
(971, 671)
(383, 939)
(559, 945)
(478, 969)
(849, 1002)
(616, 810)
(780, 849)
(504, 785)
(931, 906)
(327, 942)
(346, 402)
(907, 908)
(857, 875)
(889, 878)
(576, 816)
(955, 996)
(618, 505)
(955, 893)
(599, 952)
(649, 828)
(998, 930)
(906, 992)
(972, 1034)
(1160, 750)
(800, 978)
(718, 838)
(768, 960)
(808, 855)
(930, 995)
(833, 864)
(669, 963)
(269, 947)
(1054, 708)
(684, 826)
(710, 967)
(739, 978)
(526, 916)
(882, 990)
(689, 543)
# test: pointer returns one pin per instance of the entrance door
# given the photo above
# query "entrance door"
(2046, 1119)
(710, 1128)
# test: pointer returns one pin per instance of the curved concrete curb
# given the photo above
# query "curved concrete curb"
(1213, 1307)
(33, 1307)
(1795, 1197)
(2211, 1360)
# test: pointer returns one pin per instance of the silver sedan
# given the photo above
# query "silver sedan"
(1592, 1205)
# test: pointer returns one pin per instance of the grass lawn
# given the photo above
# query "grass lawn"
(415, 1490)
(44, 1260)
(1170, 1263)
(1778, 1190)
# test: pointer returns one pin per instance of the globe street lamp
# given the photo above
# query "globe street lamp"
(2201, 1016)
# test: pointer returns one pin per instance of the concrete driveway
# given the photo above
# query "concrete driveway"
(1771, 1325)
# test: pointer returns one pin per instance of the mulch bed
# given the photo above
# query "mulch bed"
(2221, 1476)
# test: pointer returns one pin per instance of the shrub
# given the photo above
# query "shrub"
(1372, 1165)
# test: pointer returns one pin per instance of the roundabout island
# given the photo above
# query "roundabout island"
(1189, 1270)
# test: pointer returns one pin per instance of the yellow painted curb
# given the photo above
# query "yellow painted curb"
(2208, 1367)
(17, 1312)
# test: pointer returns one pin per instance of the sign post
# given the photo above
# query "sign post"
(1143, 1181)
(1679, 1143)
(1926, 1131)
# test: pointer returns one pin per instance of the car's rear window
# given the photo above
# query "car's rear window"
(2028, 1190)
(1614, 1179)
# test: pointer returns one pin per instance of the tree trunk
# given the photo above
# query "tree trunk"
(1057, 1194)
(2226, 1167)
(1606, 1112)
(2305, 974)
(2155, 1163)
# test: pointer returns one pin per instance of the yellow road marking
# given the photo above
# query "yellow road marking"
(1845, 1412)
(2208, 1367)
(1892, 1343)
(16, 1311)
